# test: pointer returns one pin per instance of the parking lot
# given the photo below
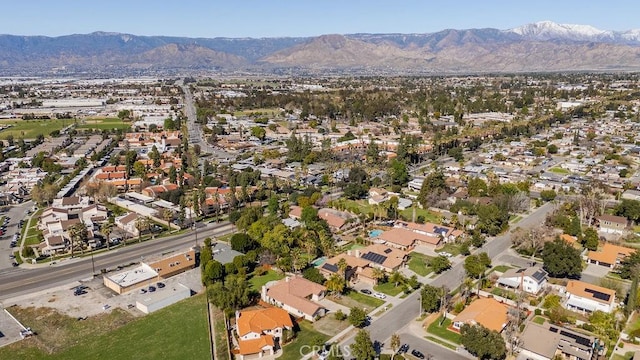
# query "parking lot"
(96, 296)
(15, 213)
(9, 329)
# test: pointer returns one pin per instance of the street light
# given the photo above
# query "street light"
(93, 265)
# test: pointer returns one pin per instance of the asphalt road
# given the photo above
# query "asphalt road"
(399, 316)
(21, 281)
(436, 352)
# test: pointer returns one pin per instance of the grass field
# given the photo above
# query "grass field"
(438, 341)
(419, 264)
(306, 336)
(354, 298)
(30, 129)
(389, 288)
(558, 170)
(451, 248)
(263, 111)
(176, 332)
(443, 332)
(501, 268)
(103, 124)
(256, 282)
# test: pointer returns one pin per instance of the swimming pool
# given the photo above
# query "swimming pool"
(375, 233)
(319, 261)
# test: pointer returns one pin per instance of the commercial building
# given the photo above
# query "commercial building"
(162, 297)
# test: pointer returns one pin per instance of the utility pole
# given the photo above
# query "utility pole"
(93, 265)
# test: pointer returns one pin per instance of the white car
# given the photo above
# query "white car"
(379, 295)
(445, 254)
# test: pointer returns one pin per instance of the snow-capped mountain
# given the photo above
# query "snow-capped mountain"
(549, 30)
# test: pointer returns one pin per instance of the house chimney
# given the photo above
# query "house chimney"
(357, 253)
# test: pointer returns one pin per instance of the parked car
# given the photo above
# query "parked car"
(379, 295)
(403, 349)
(143, 291)
(160, 285)
(152, 288)
(366, 291)
(417, 354)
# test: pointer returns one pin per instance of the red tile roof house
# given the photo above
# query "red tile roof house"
(296, 295)
(447, 233)
(260, 331)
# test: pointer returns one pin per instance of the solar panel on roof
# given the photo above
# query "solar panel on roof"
(330, 267)
(554, 330)
(578, 338)
(598, 295)
(539, 275)
(376, 258)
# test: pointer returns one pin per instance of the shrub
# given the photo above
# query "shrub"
(621, 345)
(534, 302)
(340, 315)
(458, 307)
(537, 311)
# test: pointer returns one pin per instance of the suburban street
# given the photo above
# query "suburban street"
(399, 316)
(20, 281)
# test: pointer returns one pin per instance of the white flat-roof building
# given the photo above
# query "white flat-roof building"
(130, 279)
(163, 297)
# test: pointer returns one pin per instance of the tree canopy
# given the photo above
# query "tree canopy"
(482, 342)
(561, 259)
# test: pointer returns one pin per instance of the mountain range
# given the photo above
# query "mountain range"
(542, 46)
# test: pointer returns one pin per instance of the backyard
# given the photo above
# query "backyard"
(115, 335)
(256, 282)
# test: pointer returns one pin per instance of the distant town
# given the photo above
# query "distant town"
(449, 217)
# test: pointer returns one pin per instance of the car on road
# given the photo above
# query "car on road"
(160, 285)
(417, 354)
(366, 291)
(152, 288)
(379, 295)
(403, 349)
(143, 291)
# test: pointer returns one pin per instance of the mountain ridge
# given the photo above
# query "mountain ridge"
(541, 46)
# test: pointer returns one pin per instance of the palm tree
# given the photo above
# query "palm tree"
(141, 224)
(106, 229)
(342, 266)
(396, 278)
(335, 284)
(167, 215)
(395, 343)
(378, 274)
(78, 234)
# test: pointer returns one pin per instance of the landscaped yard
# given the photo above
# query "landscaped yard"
(389, 288)
(176, 332)
(539, 320)
(355, 298)
(451, 248)
(256, 282)
(306, 336)
(504, 293)
(634, 323)
(501, 268)
(419, 264)
(329, 325)
(627, 356)
(442, 331)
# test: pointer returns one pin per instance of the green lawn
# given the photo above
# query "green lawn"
(504, 293)
(443, 332)
(179, 331)
(627, 356)
(30, 129)
(419, 264)
(634, 323)
(369, 301)
(306, 336)
(539, 320)
(451, 248)
(429, 216)
(558, 170)
(103, 124)
(389, 288)
(256, 282)
(501, 268)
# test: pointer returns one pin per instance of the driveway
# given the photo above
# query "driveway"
(333, 307)
(596, 270)
(426, 250)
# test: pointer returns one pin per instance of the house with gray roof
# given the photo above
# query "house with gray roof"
(530, 280)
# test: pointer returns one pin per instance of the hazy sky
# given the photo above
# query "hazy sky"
(268, 18)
